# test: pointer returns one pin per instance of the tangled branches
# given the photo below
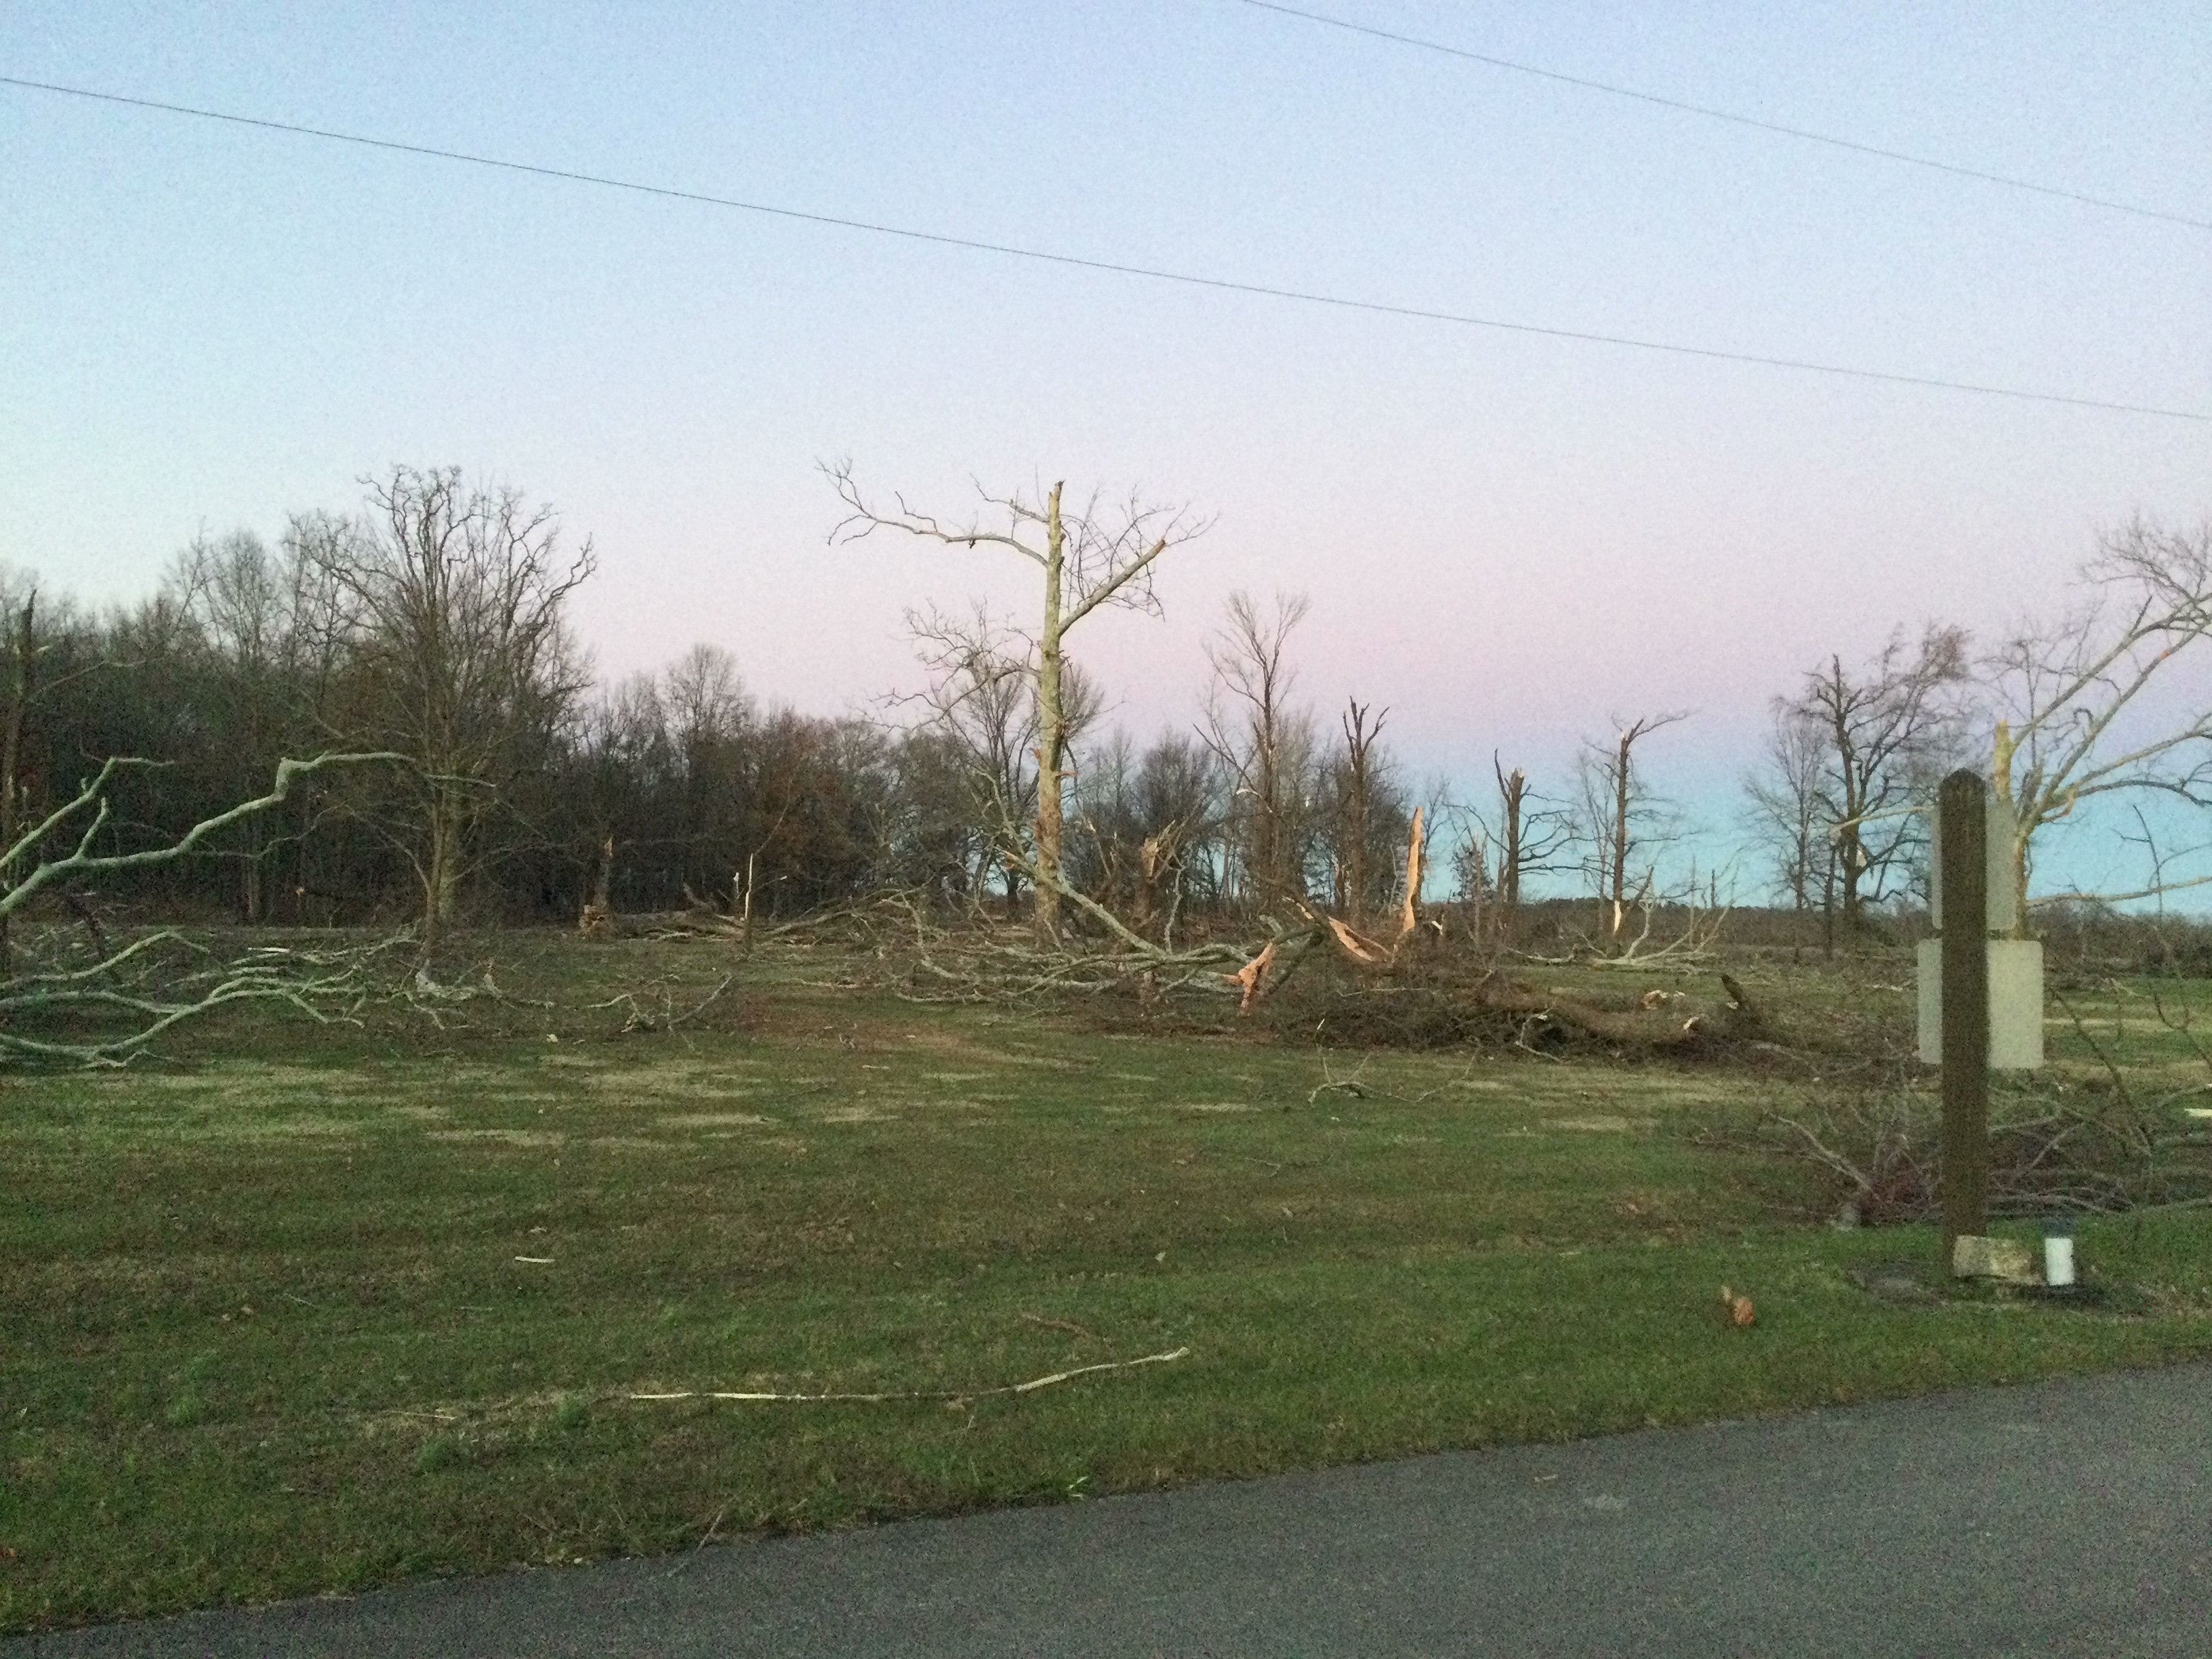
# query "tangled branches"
(75, 1002)
(97, 1004)
(2096, 1153)
(2102, 1145)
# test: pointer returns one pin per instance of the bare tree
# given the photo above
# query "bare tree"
(2080, 723)
(982, 695)
(1095, 557)
(455, 598)
(263, 621)
(1530, 837)
(1788, 818)
(1356, 779)
(1621, 818)
(1886, 731)
(1264, 742)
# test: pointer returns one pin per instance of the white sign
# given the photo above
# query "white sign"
(2001, 882)
(2016, 1003)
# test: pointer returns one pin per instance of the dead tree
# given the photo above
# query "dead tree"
(1356, 781)
(1089, 559)
(1788, 819)
(1264, 742)
(1529, 837)
(137, 984)
(982, 695)
(1620, 820)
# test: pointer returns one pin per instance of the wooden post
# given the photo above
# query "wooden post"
(1964, 922)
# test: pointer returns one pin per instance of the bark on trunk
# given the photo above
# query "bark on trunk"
(1052, 730)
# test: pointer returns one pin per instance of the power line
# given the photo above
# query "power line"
(1153, 273)
(1684, 107)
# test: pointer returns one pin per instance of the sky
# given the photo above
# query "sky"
(1507, 539)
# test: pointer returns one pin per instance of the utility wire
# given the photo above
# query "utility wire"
(1154, 273)
(1684, 107)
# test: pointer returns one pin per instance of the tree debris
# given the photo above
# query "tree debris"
(1030, 1387)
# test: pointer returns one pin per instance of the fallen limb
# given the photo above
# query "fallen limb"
(1030, 1387)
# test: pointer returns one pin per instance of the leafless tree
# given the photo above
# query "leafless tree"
(2080, 719)
(1264, 742)
(1357, 766)
(1621, 819)
(454, 599)
(264, 624)
(1101, 555)
(1149, 824)
(982, 695)
(1886, 733)
(1788, 820)
(1531, 836)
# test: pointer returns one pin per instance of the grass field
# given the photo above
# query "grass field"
(293, 1309)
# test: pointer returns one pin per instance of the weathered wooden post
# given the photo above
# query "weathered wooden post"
(1962, 851)
(1981, 997)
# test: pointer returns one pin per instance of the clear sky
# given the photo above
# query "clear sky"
(1506, 538)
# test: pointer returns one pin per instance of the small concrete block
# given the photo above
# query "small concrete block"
(1993, 1258)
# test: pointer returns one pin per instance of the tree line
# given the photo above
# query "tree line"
(432, 624)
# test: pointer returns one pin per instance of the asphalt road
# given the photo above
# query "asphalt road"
(2064, 1518)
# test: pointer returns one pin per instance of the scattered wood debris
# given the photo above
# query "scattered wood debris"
(1030, 1387)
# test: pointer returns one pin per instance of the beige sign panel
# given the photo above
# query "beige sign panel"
(2016, 1003)
(2003, 890)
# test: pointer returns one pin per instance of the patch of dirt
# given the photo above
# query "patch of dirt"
(712, 1120)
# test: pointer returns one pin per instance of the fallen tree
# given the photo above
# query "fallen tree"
(69, 995)
(1309, 974)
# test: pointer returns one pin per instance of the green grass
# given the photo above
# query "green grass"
(265, 1330)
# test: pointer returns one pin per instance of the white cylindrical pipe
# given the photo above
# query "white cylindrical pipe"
(2059, 1259)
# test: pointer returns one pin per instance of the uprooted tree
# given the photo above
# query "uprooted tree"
(73, 994)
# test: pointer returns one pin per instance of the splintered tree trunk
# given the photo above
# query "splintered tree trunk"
(1052, 730)
(2000, 785)
(1513, 789)
(1619, 860)
(1151, 859)
(1359, 735)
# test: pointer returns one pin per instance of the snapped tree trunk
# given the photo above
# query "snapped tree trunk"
(1620, 860)
(1052, 729)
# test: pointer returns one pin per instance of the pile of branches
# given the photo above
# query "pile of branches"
(72, 996)
(1308, 974)
(2097, 1152)
(2098, 1146)
(1441, 1000)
